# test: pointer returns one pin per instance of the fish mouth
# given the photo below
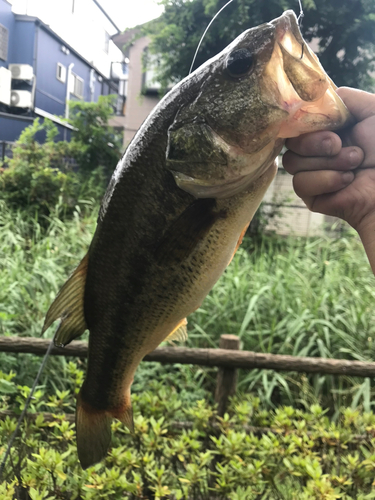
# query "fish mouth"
(301, 86)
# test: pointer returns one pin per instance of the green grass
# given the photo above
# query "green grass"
(304, 297)
(296, 296)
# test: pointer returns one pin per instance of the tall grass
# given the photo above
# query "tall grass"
(297, 296)
(35, 259)
(304, 297)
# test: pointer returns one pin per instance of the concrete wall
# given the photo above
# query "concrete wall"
(294, 217)
(138, 106)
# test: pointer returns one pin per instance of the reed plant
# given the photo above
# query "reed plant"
(302, 297)
(297, 296)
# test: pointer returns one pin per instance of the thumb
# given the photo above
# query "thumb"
(361, 104)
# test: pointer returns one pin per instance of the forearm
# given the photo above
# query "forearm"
(367, 235)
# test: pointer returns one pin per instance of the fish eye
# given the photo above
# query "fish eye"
(239, 62)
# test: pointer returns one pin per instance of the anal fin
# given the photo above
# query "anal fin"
(125, 413)
(179, 333)
(68, 306)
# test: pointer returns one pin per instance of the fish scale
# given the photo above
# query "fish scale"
(177, 207)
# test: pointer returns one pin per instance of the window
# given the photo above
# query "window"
(4, 35)
(77, 85)
(106, 42)
(61, 73)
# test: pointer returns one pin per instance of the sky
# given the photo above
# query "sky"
(129, 13)
(124, 13)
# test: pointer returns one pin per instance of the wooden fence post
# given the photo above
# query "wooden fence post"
(227, 377)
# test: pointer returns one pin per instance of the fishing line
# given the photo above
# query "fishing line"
(301, 14)
(204, 34)
(14, 435)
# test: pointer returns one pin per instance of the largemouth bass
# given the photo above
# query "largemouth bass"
(177, 206)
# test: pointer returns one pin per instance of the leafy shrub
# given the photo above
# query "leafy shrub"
(186, 452)
(43, 175)
(38, 174)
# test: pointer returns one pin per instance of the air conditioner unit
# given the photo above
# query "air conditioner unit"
(20, 99)
(21, 71)
(5, 81)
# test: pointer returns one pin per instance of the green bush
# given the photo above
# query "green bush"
(181, 451)
(38, 174)
(43, 175)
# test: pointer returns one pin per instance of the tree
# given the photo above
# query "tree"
(345, 30)
(44, 173)
(94, 144)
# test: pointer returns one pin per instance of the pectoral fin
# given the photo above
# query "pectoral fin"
(68, 306)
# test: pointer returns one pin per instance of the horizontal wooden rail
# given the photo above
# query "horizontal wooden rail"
(207, 357)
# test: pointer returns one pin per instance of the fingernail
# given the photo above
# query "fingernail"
(327, 146)
(354, 157)
(347, 177)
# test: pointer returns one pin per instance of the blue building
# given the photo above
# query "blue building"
(40, 72)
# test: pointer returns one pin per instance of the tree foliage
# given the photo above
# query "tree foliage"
(345, 31)
(94, 143)
(43, 174)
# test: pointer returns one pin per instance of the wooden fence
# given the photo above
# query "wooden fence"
(228, 358)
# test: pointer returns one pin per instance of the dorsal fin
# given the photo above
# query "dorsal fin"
(68, 306)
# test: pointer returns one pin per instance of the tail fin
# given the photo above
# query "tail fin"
(93, 429)
(68, 305)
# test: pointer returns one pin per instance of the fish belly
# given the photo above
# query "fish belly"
(171, 289)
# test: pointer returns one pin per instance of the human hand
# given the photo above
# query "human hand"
(334, 173)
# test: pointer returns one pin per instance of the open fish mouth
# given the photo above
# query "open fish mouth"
(281, 91)
(302, 88)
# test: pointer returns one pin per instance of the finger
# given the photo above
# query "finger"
(363, 136)
(348, 158)
(308, 184)
(323, 143)
(360, 103)
(328, 204)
